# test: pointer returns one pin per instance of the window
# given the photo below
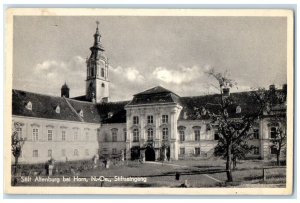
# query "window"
(197, 134)
(104, 150)
(102, 72)
(216, 135)
(135, 120)
(49, 153)
(114, 136)
(76, 135)
(87, 137)
(273, 132)
(86, 152)
(135, 135)
(35, 134)
(57, 110)
(81, 113)
(255, 134)
(114, 150)
(165, 119)
(50, 133)
(76, 152)
(165, 133)
(150, 134)
(106, 138)
(273, 150)
(182, 151)
(150, 119)
(35, 153)
(63, 152)
(181, 135)
(125, 134)
(103, 85)
(256, 150)
(19, 132)
(29, 106)
(238, 109)
(197, 151)
(63, 135)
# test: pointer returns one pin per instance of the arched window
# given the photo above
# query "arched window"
(135, 135)
(103, 85)
(181, 135)
(165, 133)
(102, 72)
(92, 71)
(197, 134)
(150, 134)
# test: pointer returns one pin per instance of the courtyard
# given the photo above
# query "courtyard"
(190, 173)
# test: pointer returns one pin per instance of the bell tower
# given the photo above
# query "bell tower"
(97, 84)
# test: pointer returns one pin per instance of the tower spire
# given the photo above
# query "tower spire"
(97, 39)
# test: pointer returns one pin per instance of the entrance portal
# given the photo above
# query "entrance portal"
(150, 154)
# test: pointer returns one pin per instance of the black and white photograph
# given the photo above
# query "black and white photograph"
(149, 101)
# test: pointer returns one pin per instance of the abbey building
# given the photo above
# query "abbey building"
(157, 124)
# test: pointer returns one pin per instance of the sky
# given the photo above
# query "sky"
(144, 52)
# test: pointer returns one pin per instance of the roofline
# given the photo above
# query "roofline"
(141, 93)
(162, 104)
(57, 120)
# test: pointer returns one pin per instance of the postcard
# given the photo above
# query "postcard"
(149, 101)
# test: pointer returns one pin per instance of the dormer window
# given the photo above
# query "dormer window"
(29, 106)
(81, 113)
(57, 109)
(110, 114)
(238, 109)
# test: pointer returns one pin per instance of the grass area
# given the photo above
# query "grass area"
(197, 173)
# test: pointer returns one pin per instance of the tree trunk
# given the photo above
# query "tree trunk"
(278, 156)
(16, 165)
(228, 163)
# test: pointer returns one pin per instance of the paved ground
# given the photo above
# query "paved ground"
(196, 173)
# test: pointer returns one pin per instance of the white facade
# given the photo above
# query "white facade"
(57, 139)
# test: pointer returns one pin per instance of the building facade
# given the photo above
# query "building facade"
(156, 124)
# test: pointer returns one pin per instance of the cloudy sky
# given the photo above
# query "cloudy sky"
(143, 52)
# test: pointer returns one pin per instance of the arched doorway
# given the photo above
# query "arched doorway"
(150, 154)
(135, 153)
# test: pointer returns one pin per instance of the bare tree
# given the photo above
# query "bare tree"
(17, 143)
(233, 130)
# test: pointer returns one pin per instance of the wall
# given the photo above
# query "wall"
(87, 139)
(106, 140)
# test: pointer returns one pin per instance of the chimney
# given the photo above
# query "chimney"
(226, 91)
(65, 91)
(272, 87)
(284, 88)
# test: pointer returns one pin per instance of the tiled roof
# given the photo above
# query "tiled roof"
(43, 106)
(154, 95)
(113, 112)
(155, 90)
(194, 108)
(197, 107)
